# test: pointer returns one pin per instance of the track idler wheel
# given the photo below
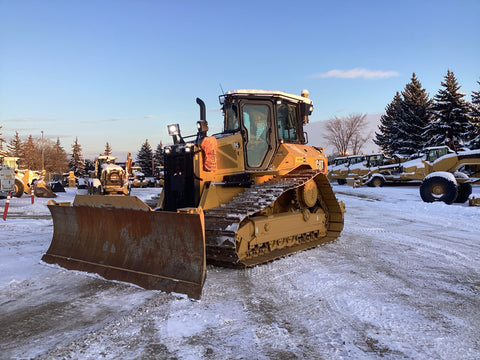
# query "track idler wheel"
(307, 194)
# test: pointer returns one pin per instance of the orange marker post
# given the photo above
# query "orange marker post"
(6, 206)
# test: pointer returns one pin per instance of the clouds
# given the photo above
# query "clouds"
(356, 73)
(29, 119)
(105, 120)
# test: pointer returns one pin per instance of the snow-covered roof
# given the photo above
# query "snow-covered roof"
(271, 93)
(111, 167)
(436, 147)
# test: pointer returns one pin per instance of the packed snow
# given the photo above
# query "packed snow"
(402, 281)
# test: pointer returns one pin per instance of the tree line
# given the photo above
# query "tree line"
(413, 121)
(36, 153)
(44, 154)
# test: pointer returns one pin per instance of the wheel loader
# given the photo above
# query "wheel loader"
(26, 180)
(253, 193)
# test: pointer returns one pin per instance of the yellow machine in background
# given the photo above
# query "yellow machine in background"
(109, 178)
(137, 177)
(443, 175)
(447, 182)
(26, 180)
(23, 179)
(250, 194)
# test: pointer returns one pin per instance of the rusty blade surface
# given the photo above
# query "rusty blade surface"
(155, 250)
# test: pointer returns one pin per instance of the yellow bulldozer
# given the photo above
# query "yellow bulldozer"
(253, 193)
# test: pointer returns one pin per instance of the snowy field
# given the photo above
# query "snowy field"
(402, 282)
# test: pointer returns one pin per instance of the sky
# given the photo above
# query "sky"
(120, 71)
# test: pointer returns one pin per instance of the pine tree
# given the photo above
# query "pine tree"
(29, 160)
(144, 158)
(387, 137)
(414, 117)
(158, 157)
(56, 160)
(475, 120)
(14, 147)
(108, 149)
(76, 164)
(450, 115)
(403, 125)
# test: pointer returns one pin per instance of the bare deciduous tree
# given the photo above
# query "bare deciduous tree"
(347, 133)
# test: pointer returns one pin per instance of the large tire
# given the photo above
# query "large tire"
(464, 191)
(437, 188)
(377, 181)
(19, 188)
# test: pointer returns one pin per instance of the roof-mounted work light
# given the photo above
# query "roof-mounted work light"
(173, 129)
(174, 132)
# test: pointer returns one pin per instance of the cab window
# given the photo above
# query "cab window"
(287, 122)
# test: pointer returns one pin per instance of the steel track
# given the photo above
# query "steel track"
(221, 223)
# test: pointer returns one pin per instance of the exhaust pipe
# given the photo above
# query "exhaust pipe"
(202, 109)
(202, 125)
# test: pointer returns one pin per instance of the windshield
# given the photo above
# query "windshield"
(434, 154)
(375, 160)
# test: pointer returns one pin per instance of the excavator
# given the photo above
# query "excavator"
(253, 193)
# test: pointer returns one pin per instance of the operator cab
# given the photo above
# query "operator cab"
(265, 119)
(433, 153)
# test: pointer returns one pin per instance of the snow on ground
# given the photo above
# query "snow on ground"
(402, 281)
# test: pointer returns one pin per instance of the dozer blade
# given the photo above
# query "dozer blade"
(121, 238)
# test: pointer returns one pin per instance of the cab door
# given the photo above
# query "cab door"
(258, 136)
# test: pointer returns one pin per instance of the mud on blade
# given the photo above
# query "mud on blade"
(156, 250)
